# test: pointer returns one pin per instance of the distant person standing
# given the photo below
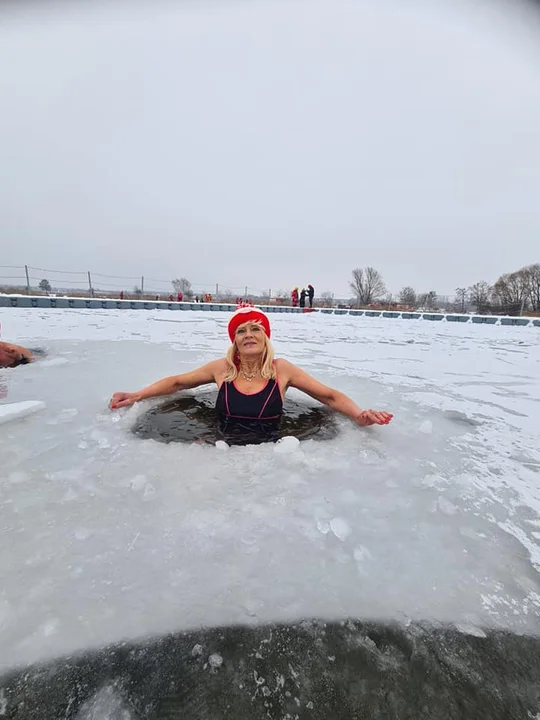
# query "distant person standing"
(180, 297)
(311, 294)
(303, 298)
(294, 297)
(121, 294)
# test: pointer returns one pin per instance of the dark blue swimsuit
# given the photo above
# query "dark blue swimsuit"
(249, 418)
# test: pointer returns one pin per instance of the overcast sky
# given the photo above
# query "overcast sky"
(271, 144)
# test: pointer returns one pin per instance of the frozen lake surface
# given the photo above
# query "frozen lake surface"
(106, 537)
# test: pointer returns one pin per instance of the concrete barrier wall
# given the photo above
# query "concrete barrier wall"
(39, 301)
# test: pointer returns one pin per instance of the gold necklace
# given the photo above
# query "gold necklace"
(248, 377)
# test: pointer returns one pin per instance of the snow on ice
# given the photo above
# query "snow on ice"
(105, 536)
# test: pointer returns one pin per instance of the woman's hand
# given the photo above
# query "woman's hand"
(121, 399)
(373, 417)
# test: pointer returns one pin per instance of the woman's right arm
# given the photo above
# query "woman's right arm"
(201, 376)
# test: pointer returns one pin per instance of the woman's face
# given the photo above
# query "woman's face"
(250, 339)
(9, 355)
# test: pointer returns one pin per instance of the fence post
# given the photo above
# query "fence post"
(90, 284)
(27, 280)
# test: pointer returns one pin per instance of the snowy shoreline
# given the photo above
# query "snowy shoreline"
(80, 303)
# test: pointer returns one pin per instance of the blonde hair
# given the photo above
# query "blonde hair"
(268, 371)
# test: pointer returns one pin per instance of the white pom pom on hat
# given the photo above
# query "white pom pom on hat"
(245, 314)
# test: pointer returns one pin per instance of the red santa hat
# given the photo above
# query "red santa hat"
(246, 314)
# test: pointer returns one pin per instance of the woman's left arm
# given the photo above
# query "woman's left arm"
(301, 380)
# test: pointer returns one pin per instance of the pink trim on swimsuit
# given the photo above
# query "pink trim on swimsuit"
(250, 394)
(267, 399)
(274, 362)
(250, 417)
(227, 401)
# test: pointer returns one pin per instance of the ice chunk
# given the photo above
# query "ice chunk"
(323, 526)
(106, 704)
(470, 628)
(215, 661)
(16, 411)
(430, 481)
(50, 627)
(101, 440)
(221, 445)
(197, 650)
(446, 507)
(361, 554)
(341, 528)
(286, 445)
(138, 482)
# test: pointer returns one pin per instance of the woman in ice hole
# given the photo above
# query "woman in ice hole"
(252, 384)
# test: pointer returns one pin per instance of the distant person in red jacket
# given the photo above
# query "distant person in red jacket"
(294, 297)
(180, 297)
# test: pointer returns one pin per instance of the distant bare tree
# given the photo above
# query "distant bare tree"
(327, 298)
(282, 297)
(137, 291)
(45, 285)
(182, 285)
(511, 290)
(367, 285)
(479, 295)
(407, 296)
(461, 298)
(532, 283)
(428, 300)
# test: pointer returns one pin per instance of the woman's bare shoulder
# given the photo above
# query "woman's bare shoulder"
(284, 367)
(219, 366)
